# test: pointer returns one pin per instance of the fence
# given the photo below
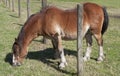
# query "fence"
(79, 40)
(8, 3)
(12, 4)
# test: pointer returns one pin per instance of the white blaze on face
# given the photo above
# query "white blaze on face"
(14, 60)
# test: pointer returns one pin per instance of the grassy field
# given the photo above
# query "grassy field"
(40, 60)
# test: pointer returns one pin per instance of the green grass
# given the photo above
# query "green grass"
(40, 60)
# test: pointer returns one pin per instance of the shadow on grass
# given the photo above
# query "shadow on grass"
(8, 58)
(18, 24)
(14, 16)
(115, 16)
(46, 56)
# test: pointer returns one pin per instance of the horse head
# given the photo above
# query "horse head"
(18, 55)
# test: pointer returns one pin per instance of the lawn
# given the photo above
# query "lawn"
(40, 62)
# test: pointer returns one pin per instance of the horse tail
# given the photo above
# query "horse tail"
(106, 21)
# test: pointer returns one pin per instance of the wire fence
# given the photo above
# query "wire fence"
(32, 6)
(36, 5)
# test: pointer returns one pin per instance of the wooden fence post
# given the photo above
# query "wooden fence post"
(19, 8)
(79, 40)
(28, 8)
(3, 1)
(13, 5)
(44, 4)
(9, 3)
(6, 3)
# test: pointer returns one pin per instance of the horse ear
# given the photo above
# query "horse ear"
(15, 39)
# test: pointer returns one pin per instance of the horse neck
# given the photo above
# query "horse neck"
(23, 39)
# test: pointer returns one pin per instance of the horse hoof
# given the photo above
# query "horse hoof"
(86, 59)
(62, 65)
(16, 64)
(101, 58)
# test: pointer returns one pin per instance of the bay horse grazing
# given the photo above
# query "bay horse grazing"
(57, 24)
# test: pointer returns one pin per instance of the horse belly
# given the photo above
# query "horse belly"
(70, 37)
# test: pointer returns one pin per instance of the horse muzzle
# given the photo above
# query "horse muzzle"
(15, 62)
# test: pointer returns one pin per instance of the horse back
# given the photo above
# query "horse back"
(64, 22)
(61, 22)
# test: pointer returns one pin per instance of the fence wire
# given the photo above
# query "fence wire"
(36, 5)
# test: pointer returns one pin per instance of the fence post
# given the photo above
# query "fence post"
(13, 5)
(79, 40)
(9, 3)
(6, 3)
(3, 1)
(28, 8)
(19, 8)
(44, 4)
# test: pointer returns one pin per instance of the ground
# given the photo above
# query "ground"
(40, 61)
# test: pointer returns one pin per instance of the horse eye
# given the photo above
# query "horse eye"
(15, 49)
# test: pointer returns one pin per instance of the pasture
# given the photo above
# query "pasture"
(40, 61)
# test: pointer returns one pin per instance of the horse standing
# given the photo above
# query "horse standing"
(57, 24)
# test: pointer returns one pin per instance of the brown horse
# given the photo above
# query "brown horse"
(57, 24)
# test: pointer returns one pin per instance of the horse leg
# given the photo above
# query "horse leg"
(88, 37)
(63, 62)
(44, 40)
(54, 43)
(100, 43)
(85, 32)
